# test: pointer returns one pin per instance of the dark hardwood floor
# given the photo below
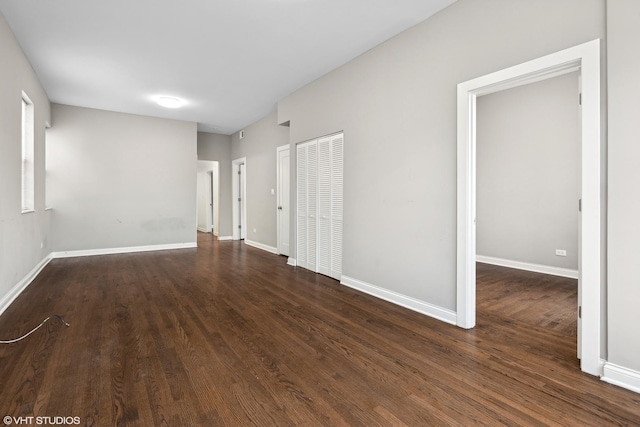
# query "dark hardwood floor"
(528, 298)
(231, 335)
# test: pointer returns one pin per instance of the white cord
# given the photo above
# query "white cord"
(34, 329)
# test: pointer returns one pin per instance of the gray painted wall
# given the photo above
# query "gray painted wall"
(259, 147)
(528, 173)
(121, 180)
(212, 146)
(21, 235)
(623, 295)
(397, 107)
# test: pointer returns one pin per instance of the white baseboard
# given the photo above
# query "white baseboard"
(292, 262)
(6, 300)
(125, 250)
(262, 246)
(621, 376)
(422, 307)
(537, 268)
(202, 230)
(224, 238)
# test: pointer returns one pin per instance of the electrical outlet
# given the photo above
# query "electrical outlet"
(561, 252)
(254, 230)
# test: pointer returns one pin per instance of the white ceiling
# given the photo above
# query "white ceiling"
(230, 60)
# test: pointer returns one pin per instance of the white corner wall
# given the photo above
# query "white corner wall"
(25, 239)
(121, 180)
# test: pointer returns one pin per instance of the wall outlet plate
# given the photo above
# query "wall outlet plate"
(561, 252)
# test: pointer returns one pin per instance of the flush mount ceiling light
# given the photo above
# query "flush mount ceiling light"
(169, 101)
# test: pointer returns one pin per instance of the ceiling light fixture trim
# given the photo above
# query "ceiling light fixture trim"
(169, 101)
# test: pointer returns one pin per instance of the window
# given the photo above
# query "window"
(28, 168)
(47, 167)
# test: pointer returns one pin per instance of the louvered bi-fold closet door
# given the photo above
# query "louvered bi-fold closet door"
(319, 205)
(330, 203)
(307, 204)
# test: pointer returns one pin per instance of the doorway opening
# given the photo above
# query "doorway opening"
(528, 187)
(239, 184)
(208, 189)
(584, 58)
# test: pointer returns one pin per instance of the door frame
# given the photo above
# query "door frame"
(280, 191)
(239, 233)
(586, 59)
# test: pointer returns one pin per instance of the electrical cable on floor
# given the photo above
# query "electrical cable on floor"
(35, 329)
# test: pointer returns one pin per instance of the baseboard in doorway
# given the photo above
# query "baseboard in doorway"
(536, 268)
(621, 376)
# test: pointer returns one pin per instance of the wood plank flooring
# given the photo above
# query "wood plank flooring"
(229, 335)
(535, 299)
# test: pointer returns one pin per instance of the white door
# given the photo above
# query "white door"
(211, 210)
(324, 206)
(330, 196)
(307, 205)
(319, 205)
(242, 201)
(283, 176)
(337, 198)
(202, 202)
(239, 186)
(301, 204)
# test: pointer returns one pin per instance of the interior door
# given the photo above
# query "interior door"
(337, 202)
(330, 201)
(211, 211)
(241, 201)
(324, 206)
(319, 205)
(307, 205)
(284, 179)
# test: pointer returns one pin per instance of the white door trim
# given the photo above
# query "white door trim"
(235, 167)
(279, 166)
(586, 58)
